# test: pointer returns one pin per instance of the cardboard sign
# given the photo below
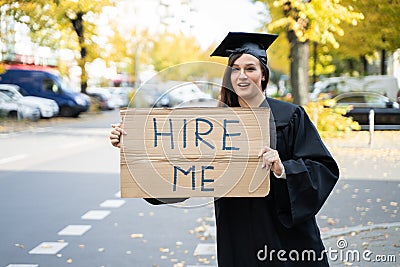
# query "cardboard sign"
(194, 152)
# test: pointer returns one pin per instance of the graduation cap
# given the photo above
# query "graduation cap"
(254, 44)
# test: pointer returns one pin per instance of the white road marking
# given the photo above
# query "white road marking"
(205, 249)
(23, 265)
(75, 230)
(48, 248)
(13, 158)
(112, 203)
(95, 215)
(118, 194)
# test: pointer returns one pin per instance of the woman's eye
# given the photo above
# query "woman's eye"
(235, 70)
(251, 69)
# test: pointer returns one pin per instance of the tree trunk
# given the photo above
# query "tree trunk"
(77, 23)
(383, 62)
(364, 65)
(315, 56)
(299, 55)
(350, 62)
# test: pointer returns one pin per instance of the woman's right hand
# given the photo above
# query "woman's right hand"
(115, 135)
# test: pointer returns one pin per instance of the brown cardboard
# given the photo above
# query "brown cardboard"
(202, 159)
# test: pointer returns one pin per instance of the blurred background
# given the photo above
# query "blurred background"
(68, 66)
(107, 49)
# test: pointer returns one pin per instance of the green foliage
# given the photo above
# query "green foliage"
(317, 20)
(378, 31)
(330, 122)
(171, 50)
(61, 24)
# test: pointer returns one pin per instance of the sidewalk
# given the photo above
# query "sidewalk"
(376, 245)
(366, 245)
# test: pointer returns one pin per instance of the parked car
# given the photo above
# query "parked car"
(43, 83)
(107, 100)
(48, 108)
(387, 112)
(121, 95)
(381, 84)
(13, 110)
(161, 100)
(186, 92)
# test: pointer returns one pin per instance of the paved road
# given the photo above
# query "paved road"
(51, 177)
(59, 197)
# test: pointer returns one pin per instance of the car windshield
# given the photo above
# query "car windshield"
(365, 100)
(65, 86)
(11, 95)
(5, 97)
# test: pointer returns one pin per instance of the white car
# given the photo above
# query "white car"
(111, 102)
(11, 109)
(121, 95)
(48, 107)
(187, 92)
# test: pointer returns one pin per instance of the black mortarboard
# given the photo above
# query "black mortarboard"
(254, 44)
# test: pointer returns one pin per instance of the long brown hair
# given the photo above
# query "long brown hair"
(228, 97)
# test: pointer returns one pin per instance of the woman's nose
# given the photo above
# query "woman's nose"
(242, 75)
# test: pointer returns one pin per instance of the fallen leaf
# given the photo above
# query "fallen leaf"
(101, 249)
(20, 246)
(330, 221)
(203, 260)
(200, 229)
(394, 204)
(69, 260)
(137, 235)
(164, 250)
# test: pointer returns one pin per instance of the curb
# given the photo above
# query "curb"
(358, 229)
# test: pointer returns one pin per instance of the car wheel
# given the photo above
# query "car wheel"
(67, 111)
(13, 115)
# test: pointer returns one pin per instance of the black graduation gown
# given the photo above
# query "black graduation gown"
(251, 231)
(254, 231)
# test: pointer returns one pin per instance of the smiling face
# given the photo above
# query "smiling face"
(246, 78)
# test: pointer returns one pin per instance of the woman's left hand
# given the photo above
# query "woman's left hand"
(271, 159)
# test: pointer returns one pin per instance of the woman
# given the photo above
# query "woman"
(279, 229)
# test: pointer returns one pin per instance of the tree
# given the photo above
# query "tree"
(306, 21)
(59, 23)
(128, 49)
(378, 32)
(171, 49)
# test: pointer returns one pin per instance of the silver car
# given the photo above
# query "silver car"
(14, 110)
(48, 107)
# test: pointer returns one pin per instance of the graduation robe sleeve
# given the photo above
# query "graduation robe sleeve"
(311, 171)
(161, 201)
